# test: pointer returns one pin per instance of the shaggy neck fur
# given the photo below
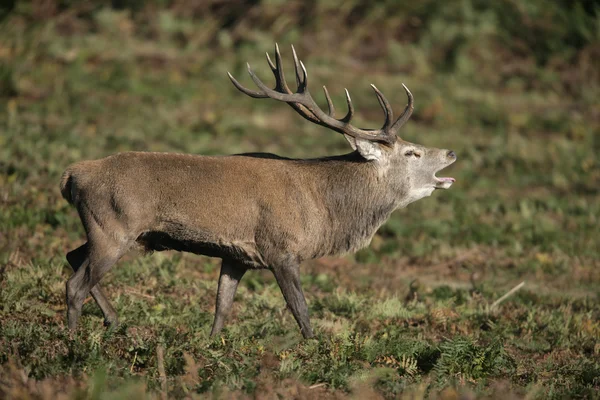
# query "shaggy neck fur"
(356, 202)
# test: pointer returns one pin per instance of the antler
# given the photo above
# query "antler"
(303, 103)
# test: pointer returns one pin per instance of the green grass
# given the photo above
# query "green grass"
(511, 87)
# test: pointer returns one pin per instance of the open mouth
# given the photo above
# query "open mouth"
(443, 182)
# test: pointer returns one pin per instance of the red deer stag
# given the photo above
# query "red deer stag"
(251, 210)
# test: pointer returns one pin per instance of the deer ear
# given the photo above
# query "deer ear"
(369, 150)
(351, 140)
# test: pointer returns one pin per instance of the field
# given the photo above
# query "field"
(512, 87)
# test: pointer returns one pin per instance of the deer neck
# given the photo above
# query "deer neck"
(358, 199)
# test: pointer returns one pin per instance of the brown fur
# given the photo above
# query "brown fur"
(276, 207)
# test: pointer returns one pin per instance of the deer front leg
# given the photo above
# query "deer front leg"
(231, 274)
(288, 278)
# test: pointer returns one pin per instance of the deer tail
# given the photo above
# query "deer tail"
(66, 185)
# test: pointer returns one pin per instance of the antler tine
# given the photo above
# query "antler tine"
(303, 87)
(287, 97)
(280, 75)
(408, 110)
(281, 91)
(350, 113)
(282, 86)
(387, 109)
(329, 103)
(296, 66)
(280, 83)
(251, 93)
(271, 65)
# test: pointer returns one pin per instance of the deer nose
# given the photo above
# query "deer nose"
(451, 154)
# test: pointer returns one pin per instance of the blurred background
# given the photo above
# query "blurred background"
(511, 86)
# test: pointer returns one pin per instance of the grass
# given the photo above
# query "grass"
(511, 88)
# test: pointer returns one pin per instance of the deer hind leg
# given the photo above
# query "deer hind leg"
(288, 278)
(93, 260)
(76, 259)
(231, 274)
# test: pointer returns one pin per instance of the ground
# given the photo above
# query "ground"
(511, 88)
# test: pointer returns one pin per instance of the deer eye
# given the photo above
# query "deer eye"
(412, 153)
